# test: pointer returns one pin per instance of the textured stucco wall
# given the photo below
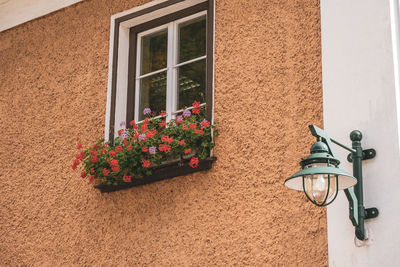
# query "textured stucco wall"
(267, 90)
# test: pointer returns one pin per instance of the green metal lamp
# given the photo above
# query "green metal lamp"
(321, 177)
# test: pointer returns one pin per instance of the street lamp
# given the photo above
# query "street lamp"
(321, 177)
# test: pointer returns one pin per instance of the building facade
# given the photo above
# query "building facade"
(269, 79)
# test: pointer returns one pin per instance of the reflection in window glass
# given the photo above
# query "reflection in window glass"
(192, 39)
(192, 83)
(153, 93)
(154, 52)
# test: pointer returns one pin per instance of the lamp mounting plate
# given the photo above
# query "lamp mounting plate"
(371, 213)
(367, 154)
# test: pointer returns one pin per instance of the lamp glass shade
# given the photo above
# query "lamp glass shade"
(320, 188)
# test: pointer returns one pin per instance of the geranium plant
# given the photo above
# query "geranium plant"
(148, 144)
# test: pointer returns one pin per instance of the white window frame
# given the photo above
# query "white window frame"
(119, 41)
(172, 64)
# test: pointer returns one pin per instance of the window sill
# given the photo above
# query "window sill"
(163, 172)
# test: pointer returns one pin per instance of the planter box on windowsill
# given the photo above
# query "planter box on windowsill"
(162, 172)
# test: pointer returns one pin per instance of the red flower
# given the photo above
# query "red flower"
(182, 142)
(112, 153)
(167, 139)
(205, 123)
(143, 128)
(113, 163)
(165, 148)
(78, 146)
(83, 174)
(178, 121)
(136, 135)
(125, 142)
(196, 111)
(196, 104)
(115, 168)
(151, 133)
(163, 113)
(77, 138)
(80, 156)
(103, 151)
(199, 132)
(120, 132)
(129, 148)
(119, 149)
(146, 163)
(94, 159)
(96, 146)
(184, 127)
(146, 120)
(91, 179)
(92, 170)
(194, 162)
(193, 125)
(93, 153)
(105, 172)
(145, 149)
(74, 166)
(163, 124)
(188, 150)
(132, 123)
(127, 179)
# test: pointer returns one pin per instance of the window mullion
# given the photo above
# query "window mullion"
(137, 81)
(170, 62)
(175, 71)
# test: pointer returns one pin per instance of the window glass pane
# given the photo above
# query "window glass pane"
(153, 93)
(154, 51)
(192, 39)
(192, 83)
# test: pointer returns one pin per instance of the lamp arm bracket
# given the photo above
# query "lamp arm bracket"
(318, 132)
(367, 154)
(353, 205)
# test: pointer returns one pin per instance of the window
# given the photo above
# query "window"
(171, 66)
(161, 58)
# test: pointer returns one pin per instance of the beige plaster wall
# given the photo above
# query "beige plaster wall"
(267, 90)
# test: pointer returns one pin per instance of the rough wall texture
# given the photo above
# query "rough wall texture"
(267, 90)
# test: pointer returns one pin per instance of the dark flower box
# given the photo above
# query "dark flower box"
(162, 172)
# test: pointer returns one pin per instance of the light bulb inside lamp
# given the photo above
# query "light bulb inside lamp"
(316, 186)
